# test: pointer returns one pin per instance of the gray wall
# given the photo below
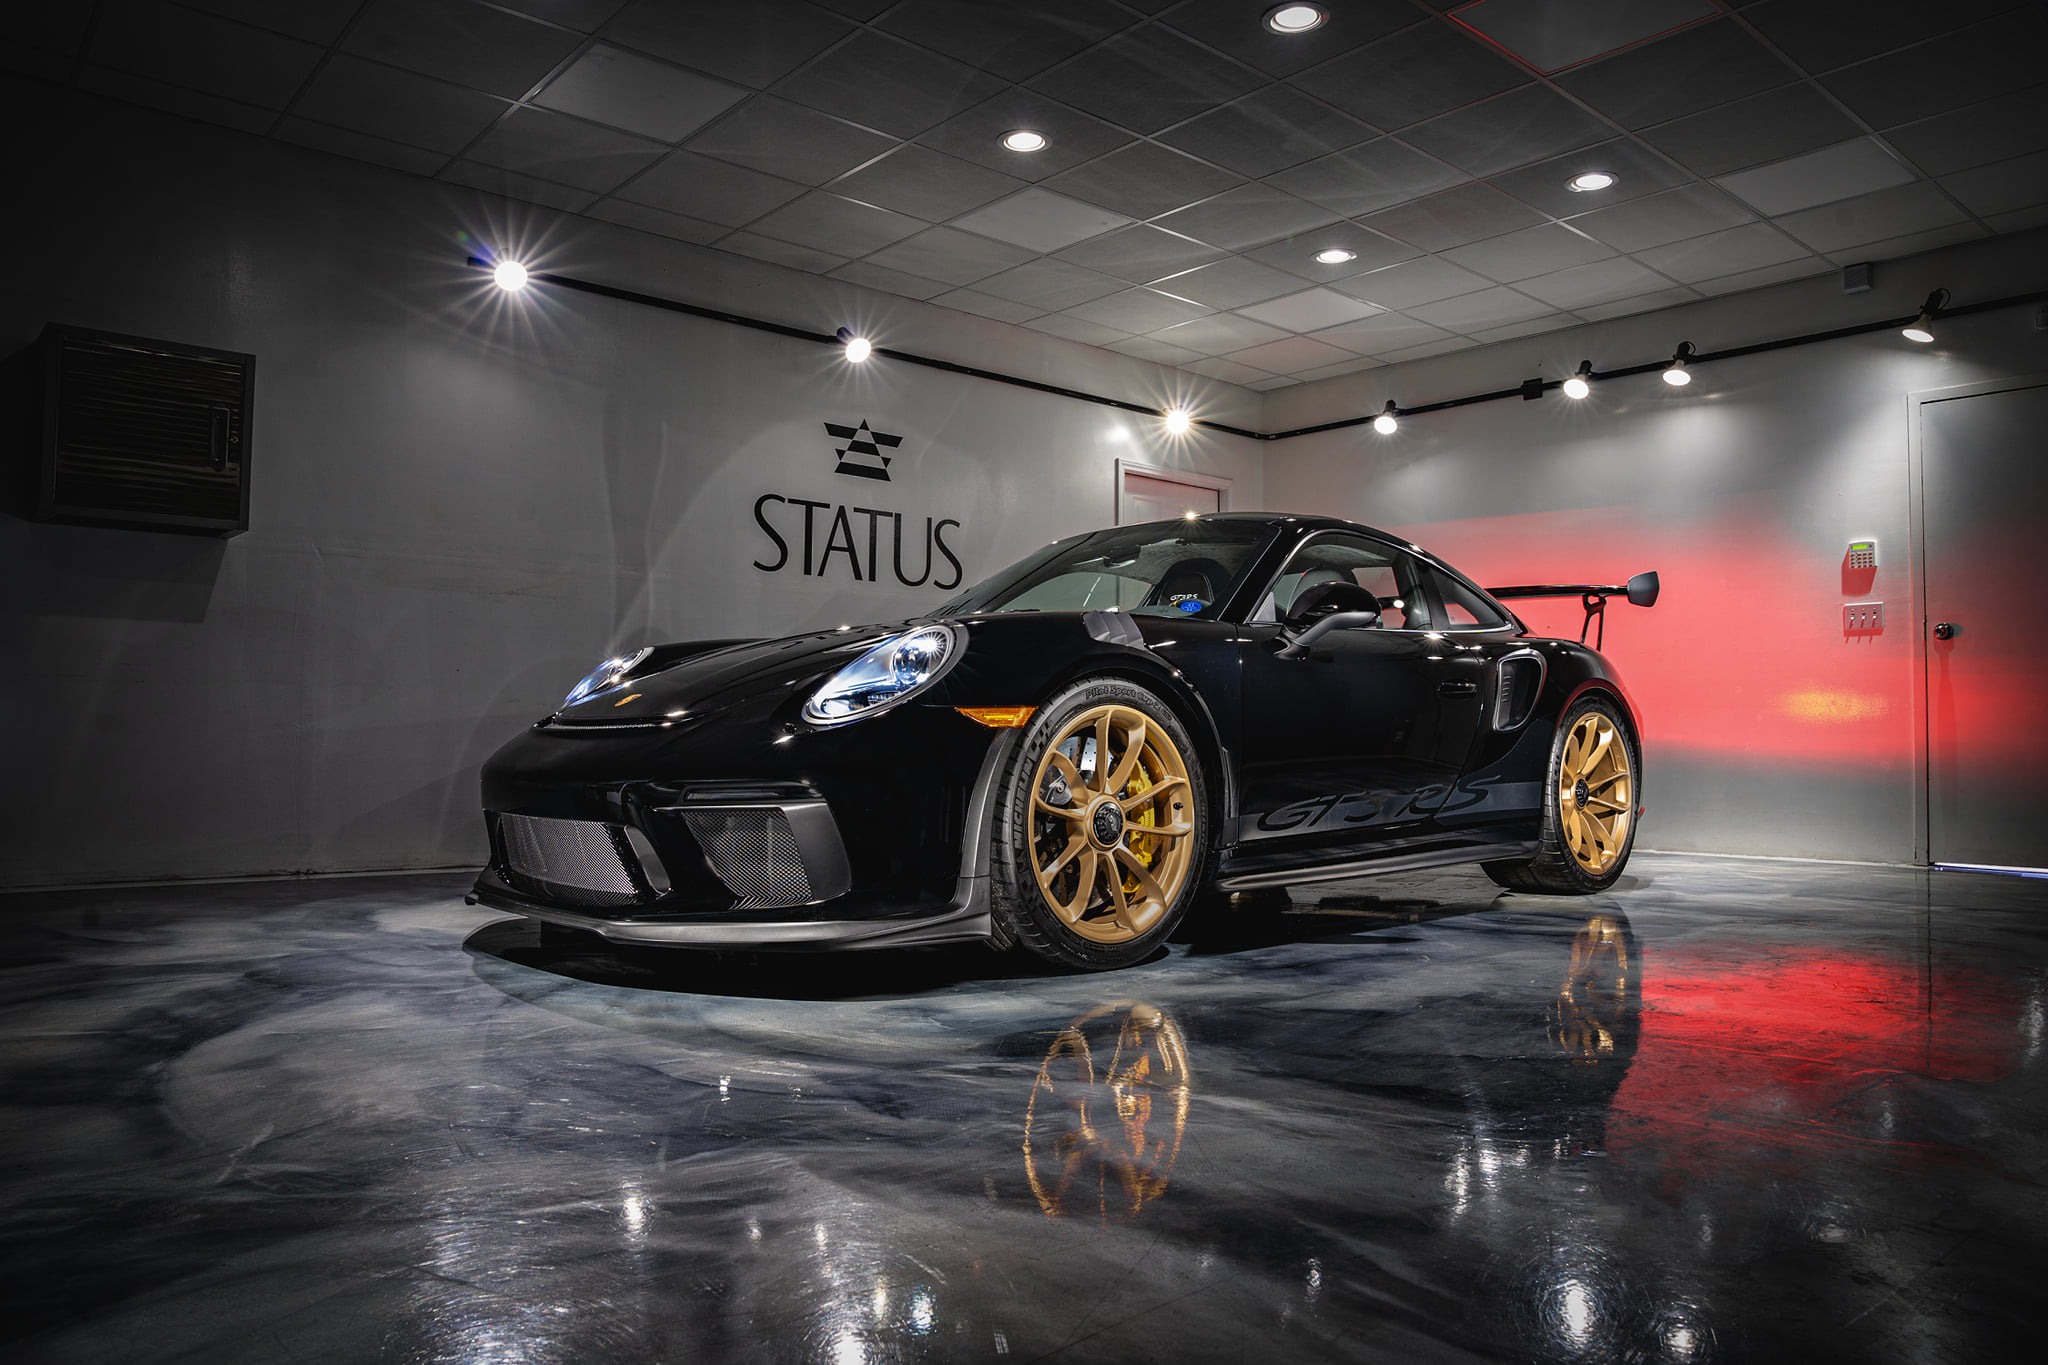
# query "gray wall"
(1768, 729)
(461, 502)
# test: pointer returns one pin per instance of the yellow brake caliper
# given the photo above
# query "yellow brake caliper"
(1144, 846)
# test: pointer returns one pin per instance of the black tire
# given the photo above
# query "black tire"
(1021, 913)
(1556, 870)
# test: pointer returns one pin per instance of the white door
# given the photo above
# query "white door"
(1154, 497)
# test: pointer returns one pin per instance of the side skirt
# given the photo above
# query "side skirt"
(1370, 867)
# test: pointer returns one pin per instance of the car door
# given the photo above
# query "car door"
(1345, 747)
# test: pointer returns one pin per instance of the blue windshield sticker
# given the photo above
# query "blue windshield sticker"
(1190, 606)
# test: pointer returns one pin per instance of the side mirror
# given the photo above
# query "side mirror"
(1297, 645)
(1319, 600)
(1642, 590)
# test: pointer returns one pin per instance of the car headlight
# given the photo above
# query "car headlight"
(610, 673)
(893, 671)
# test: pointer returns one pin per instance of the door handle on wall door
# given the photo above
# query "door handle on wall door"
(1457, 688)
(1944, 630)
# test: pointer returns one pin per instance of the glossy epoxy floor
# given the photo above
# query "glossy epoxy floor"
(1733, 1111)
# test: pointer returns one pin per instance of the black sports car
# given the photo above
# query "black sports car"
(1074, 754)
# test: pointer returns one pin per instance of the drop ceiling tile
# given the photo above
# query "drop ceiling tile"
(1403, 286)
(639, 94)
(676, 225)
(1551, 37)
(1454, 217)
(1229, 371)
(784, 253)
(1782, 123)
(464, 41)
(988, 305)
(1688, 211)
(1050, 284)
(1367, 178)
(1424, 71)
(1229, 283)
(925, 184)
(1843, 171)
(1297, 255)
(1645, 303)
(360, 146)
(316, 21)
(1290, 355)
(512, 185)
(1248, 216)
(1727, 252)
(1158, 352)
(174, 99)
(1428, 350)
(1015, 42)
(1143, 179)
(1960, 67)
(1309, 310)
(882, 83)
(1823, 34)
(779, 138)
(1268, 130)
(1278, 381)
(948, 254)
(200, 52)
(2002, 186)
(1041, 220)
(1234, 27)
(1514, 330)
(567, 151)
(18, 58)
(1332, 371)
(1218, 333)
(1532, 251)
(385, 102)
(2022, 220)
(1894, 212)
(63, 29)
(1912, 244)
(1381, 332)
(1694, 69)
(859, 10)
(1138, 310)
(1597, 282)
(842, 226)
(1995, 130)
(888, 281)
(1488, 308)
(1146, 79)
(699, 187)
(1141, 254)
(1770, 274)
(755, 45)
(1533, 123)
(1072, 136)
(1076, 329)
(1637, 172)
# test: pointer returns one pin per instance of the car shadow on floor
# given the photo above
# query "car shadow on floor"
(1270, 919)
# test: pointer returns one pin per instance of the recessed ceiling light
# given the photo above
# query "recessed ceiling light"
(1335, 255)
(510, 276)
(1024, 140)
(1589, 180)
(1177, 421)
(1296, 18)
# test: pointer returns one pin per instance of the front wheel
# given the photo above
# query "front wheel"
(1589, 806)
(1102, 832)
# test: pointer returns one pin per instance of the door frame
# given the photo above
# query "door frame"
(1168, 475)
(1916, 550)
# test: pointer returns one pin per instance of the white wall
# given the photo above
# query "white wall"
(460, 503)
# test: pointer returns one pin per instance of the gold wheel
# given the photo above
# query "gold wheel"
(1595, 793)
(1112, 824)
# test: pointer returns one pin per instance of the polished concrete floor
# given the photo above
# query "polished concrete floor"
(1732, 1111)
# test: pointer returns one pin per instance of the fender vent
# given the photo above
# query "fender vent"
(1514, 696)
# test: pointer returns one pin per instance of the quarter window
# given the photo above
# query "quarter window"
(1464, 609)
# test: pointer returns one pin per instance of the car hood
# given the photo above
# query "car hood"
(704, 683)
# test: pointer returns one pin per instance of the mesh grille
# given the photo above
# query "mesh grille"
(754, 852)
(576, 860)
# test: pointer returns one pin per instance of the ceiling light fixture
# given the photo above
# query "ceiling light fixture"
(857, 348)
(1335, 255)
(1589, 180)
(1675, 374)
(1581, 382)
(1921, 329)
(1024, 140)
(1177, 422)
(510, 276)
(1296, 18)
(1386, 424)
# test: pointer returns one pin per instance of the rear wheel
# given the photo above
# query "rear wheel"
(1589, 806)
(1102, 832)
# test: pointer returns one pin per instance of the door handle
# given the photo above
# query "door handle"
(1457, 687)
(1944, 630)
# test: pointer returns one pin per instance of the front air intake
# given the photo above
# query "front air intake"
(754, 852)
(577, 862)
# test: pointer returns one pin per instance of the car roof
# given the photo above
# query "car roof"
(1300, 520)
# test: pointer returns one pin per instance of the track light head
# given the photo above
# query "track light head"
(1921, 329)
(1387, 423)
(858, 348)
(1178, 421)
(1581, 382)
(1675, 374)
(509, 276)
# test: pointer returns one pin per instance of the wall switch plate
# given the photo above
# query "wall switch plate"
(1863, 618)
(1863, 554)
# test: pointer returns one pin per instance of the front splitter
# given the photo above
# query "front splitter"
(966, 920)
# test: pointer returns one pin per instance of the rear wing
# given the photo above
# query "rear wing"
(1641, 591)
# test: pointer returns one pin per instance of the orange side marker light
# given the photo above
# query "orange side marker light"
(998, 717)
(623, 700)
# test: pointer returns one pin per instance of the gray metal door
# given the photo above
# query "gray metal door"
(1984, 473)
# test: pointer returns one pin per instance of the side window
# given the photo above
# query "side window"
(1391, 575)
(1463, 608)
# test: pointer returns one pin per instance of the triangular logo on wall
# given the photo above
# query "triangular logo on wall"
(862, 455)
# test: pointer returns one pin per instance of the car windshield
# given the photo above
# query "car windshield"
(1162, 568)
